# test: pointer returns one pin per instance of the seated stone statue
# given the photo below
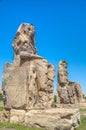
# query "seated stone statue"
(68, 92)
(27, 83)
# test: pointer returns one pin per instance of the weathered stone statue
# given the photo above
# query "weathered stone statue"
(28, 82)
(68, 92)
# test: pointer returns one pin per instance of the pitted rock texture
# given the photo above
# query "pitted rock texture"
(24, 41)
(27, 83)
(49, 119)
(68, 92)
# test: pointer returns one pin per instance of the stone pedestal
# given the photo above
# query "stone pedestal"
(49, 119)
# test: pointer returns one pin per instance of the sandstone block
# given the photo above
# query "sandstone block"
(16, 89)
(60, 119)
(17, 116)
(6, 115)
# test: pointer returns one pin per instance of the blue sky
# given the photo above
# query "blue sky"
(60, 32)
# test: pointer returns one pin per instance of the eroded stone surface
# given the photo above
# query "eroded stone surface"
(24, 41)
(68, 92)
(50, 119)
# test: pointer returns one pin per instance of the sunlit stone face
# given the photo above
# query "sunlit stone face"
(62, 74)
(63, 77)
(24, 41)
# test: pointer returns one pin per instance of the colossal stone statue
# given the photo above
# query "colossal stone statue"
(68, 92)
(28, 81)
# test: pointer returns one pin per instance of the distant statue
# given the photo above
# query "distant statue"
(68, 92)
